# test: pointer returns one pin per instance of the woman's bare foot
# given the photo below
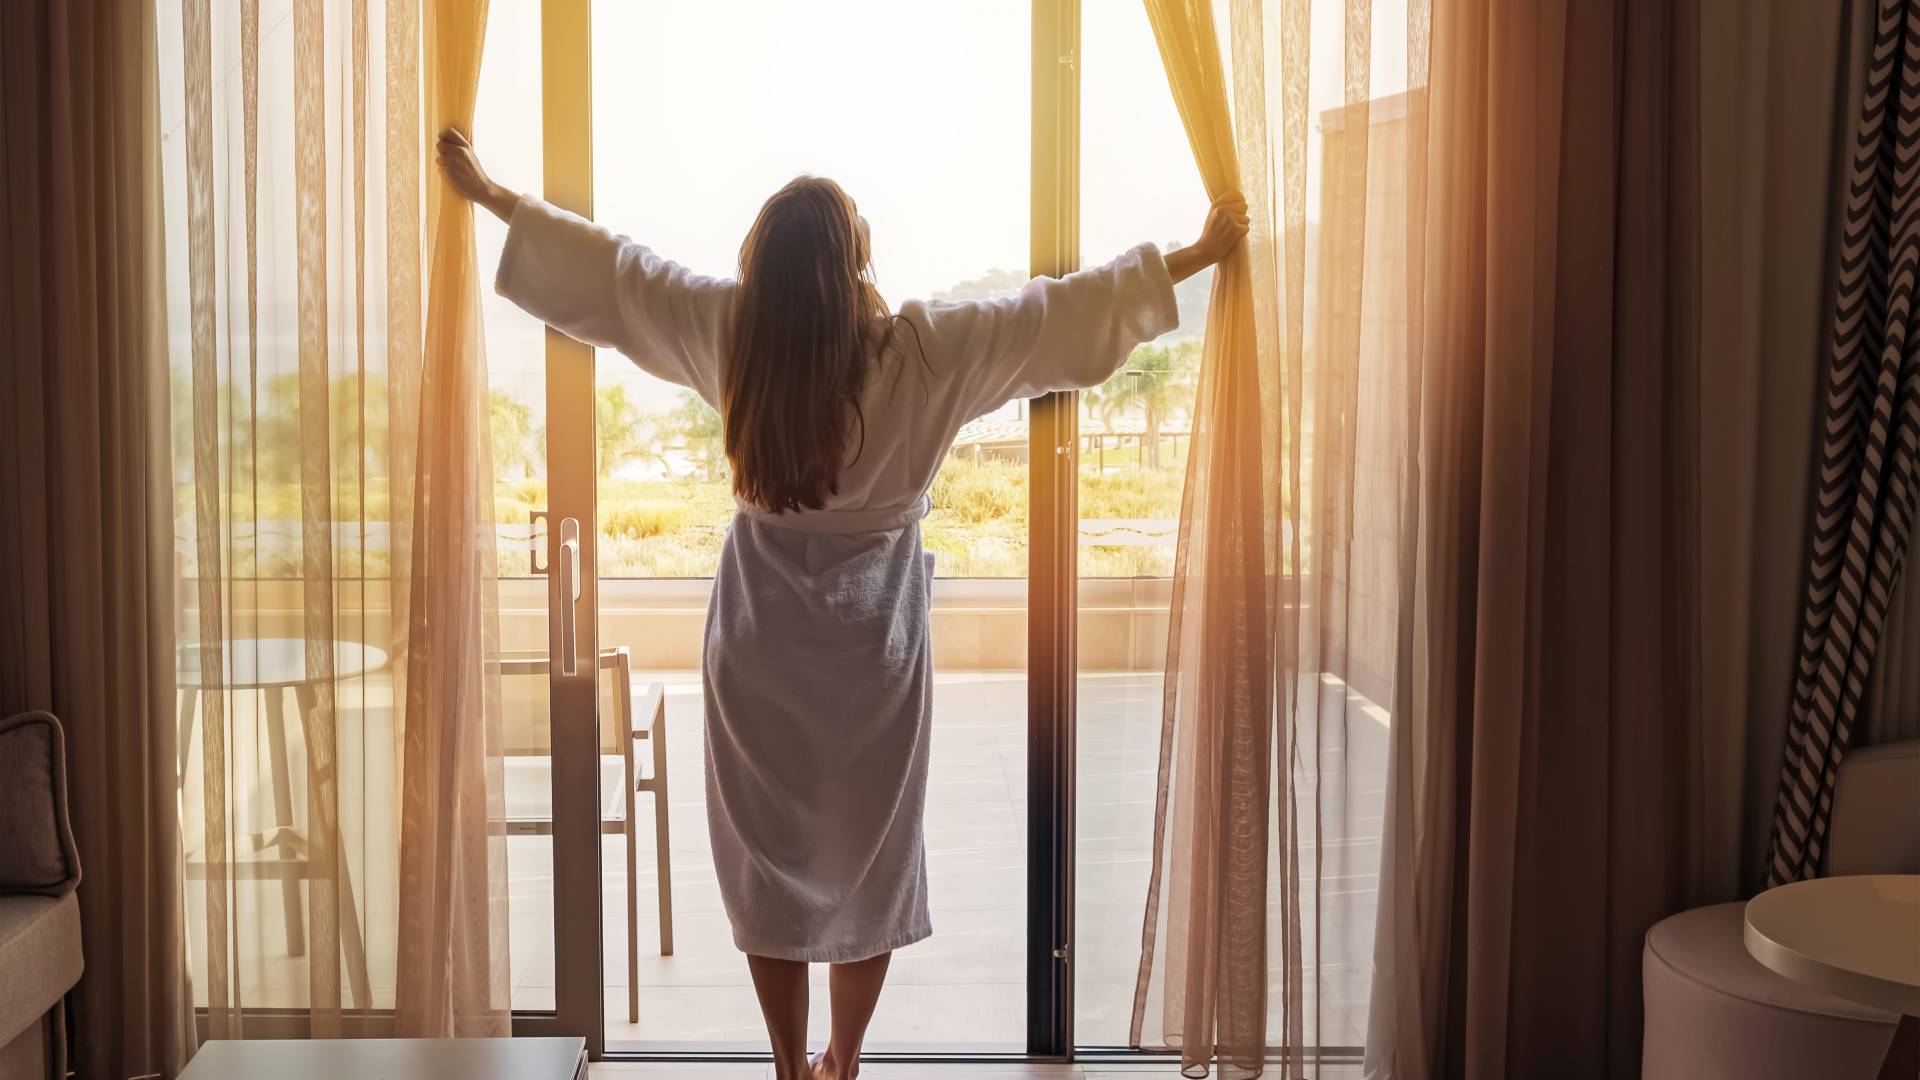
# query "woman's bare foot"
(826, 1068)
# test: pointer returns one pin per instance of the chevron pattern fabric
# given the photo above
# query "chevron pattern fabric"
(1864, 504)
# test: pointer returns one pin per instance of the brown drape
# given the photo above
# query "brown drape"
(86, 606)
(1774, 87)
(1541, 811)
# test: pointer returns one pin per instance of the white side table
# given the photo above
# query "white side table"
(1855, 937)
(399, 1059)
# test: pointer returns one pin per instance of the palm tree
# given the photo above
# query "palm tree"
(1156, 380)
(700, 427)
(622, 433)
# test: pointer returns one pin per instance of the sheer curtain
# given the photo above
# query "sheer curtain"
(337, 729)
(1287, 595)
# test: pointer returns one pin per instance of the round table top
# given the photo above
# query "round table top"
(1857, 937)
(262, 663)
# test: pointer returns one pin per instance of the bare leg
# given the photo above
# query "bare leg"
(782, 988)
(855, 990)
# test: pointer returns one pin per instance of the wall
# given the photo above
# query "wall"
(1357, 354)
(979, 624)
(1778, 91)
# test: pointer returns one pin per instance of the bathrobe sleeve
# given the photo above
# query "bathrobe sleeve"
(612, 293)
(1065, 333)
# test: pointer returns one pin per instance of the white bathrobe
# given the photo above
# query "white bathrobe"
(818, 673)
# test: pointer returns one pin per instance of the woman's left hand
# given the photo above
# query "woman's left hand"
(460, 164)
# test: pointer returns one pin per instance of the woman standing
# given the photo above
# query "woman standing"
(818, 663)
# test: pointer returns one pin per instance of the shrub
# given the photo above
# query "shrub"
(642, 520)
(975, 492)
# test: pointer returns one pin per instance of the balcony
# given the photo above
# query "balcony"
(964, 989)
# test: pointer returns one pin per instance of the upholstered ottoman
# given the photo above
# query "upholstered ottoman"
(1714, 1011)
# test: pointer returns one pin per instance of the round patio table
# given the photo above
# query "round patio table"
(273, 666)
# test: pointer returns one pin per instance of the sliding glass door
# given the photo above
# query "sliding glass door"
(986, 142)
(530, 124)
(958, 129)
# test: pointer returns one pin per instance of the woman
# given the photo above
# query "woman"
(818, 668)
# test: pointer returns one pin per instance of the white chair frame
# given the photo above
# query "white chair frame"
(643, 718)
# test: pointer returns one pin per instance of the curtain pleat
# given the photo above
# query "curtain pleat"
(1210, 844)
(403, 296)
(319, 721)
(203, 413)
(452, 895)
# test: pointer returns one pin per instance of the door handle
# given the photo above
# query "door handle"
(536, 532)
(569, 564)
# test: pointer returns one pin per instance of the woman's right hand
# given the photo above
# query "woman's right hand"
(1225, 227)
(460, 164)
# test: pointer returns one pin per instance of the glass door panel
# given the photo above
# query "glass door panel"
(540, 398)
(508, 131)
(922, 115)
(1141, 184)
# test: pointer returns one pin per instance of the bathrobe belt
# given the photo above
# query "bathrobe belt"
(845, 522)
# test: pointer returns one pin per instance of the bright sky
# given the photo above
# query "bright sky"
(920, 109)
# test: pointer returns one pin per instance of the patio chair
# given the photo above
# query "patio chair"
(635, 715)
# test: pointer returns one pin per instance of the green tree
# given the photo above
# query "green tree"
(699, 427)
(989, 286)
(622, 433)
(510, 421)
(1156, 381)
(284, 427)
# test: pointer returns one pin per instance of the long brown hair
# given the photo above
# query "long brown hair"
(808, 326)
